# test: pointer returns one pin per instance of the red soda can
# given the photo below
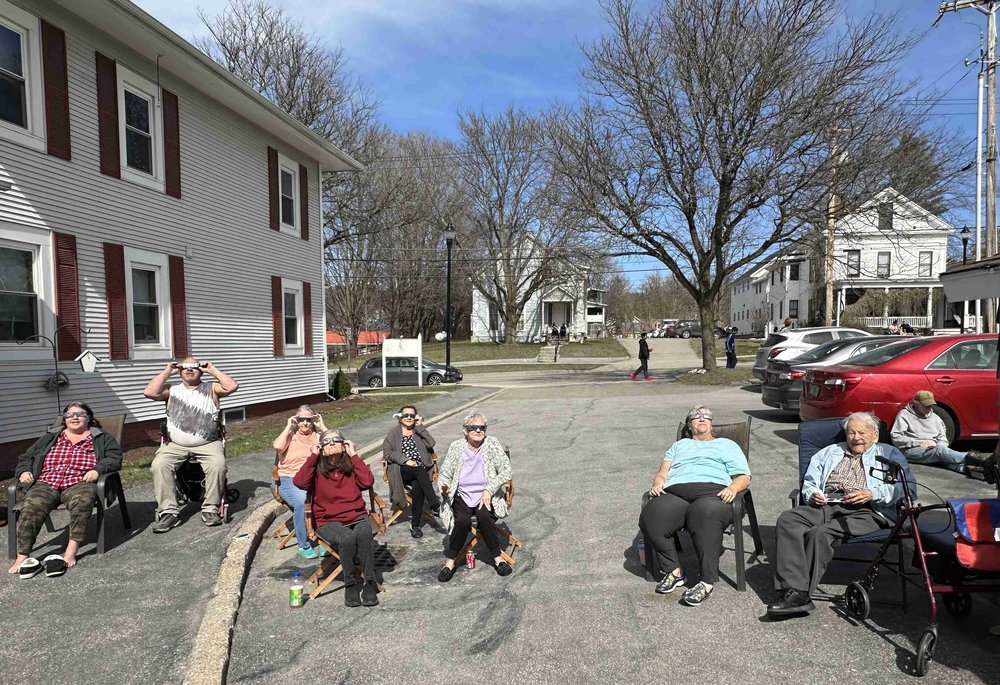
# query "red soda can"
(470, 559)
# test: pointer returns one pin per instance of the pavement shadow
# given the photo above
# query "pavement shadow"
(788, 435)
(773, 415)
(246, 487)
(752, 387)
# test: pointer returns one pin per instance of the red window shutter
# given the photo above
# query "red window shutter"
(67, 296)
(307, 316)
(107, 116)
(114, 286)
(56, 91)
(272, 186)
(277, 316)
(171, 144)
(304, 201)
(178, 306)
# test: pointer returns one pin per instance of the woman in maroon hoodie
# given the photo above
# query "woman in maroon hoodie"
(336, 478)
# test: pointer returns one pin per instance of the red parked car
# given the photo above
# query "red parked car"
(961, 371)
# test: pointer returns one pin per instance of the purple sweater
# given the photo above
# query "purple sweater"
(472, 477)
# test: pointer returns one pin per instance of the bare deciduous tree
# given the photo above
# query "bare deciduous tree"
(704, 140)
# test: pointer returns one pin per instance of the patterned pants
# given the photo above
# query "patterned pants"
(39, 501)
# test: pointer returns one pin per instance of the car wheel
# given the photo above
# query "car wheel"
(950, 429)
(434, 379)
(686, 334)
(375, 382)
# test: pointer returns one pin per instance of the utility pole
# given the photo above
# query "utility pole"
(989, 8)
(832, 209)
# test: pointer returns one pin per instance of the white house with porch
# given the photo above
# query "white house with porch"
(570, 302)
(889, 244)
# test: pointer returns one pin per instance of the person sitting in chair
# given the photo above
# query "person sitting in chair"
(845, 497)
(407, 448)
(920, 434)
(294, 445)
(697, 482)
(336, 476)
(62, 467)
(472, 478)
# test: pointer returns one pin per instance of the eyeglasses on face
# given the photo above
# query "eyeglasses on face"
(332, 441)
(701, 415)
(476, 428)
(300, 419)
(407, 416)
(74, 415)
(190, 367)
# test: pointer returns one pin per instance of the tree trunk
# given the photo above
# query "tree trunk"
(706, 312)
(510, 320)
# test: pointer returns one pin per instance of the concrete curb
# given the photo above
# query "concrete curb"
(208, 663)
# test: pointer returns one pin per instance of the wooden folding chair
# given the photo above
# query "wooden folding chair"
(395, 512)
(286, 531)
(330, 567)
(514, 543)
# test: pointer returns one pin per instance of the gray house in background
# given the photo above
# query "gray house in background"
(152, 206)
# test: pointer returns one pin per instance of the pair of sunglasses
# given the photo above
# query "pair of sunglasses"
(407, 416)
(332, 441)
(477, 428)
(707, 417)
(189, 367)
(74, 414)
(304, 418)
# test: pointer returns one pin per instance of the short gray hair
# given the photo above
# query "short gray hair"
(867, 418)
(471, 417)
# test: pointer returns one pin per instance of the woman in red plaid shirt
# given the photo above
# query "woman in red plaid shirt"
(62, 467)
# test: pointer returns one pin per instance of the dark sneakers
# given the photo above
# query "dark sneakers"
(352, 595)
(792, 602)
(166, 522)
(211, 518)
(504, 569)
(669, 583)
(369, 594)
(445, 574)
(696, 595)
(416, 533)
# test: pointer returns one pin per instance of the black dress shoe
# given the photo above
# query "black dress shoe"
(445, 574)
(416, 533)
(791, 603)
(369, 594)
(352, 595)
(503, 569)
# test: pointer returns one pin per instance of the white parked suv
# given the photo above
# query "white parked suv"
(791, 343)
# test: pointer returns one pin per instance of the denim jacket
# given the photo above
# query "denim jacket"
(884, 495)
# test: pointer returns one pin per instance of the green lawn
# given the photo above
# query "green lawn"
(542, 368)
(737, 376)
(593, 347)
(744, 347)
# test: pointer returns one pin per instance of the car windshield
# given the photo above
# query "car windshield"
(821, 351)
(884, 354)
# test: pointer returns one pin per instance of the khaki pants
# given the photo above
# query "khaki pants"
(164, 467)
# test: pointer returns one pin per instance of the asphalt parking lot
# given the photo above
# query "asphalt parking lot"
(577, 607)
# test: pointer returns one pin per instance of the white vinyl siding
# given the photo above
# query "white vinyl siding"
(22, 113)
(219, 227)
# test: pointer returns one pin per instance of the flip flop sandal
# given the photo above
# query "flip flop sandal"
(55, 566)
(29, 568)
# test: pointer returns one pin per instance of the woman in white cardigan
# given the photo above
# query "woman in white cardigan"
(472, 478)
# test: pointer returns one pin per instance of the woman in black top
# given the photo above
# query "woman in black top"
(408, 448)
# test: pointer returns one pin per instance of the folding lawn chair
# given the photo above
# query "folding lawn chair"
(285, 533)
(395, 511)
(330, 567)
(109, 488)
(513, 542)
(742, 506)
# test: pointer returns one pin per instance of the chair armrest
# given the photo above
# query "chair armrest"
(275, 484)
(310, 519)
(385, 470)
(793, 497)
(738, 506)
(508, 495)
(11, 500)
(434, 466)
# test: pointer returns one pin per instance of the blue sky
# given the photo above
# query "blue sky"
(425, 59)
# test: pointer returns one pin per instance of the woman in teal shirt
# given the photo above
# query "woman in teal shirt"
(694, 489)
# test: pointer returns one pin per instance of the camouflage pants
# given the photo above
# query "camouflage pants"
(39, 501)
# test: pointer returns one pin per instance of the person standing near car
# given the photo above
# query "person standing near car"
(192, 431)
(920, 434)
(731, 348)
(644, 351)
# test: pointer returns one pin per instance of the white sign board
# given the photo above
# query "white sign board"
(404, 348)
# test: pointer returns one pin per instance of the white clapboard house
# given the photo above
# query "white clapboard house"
(152, 206)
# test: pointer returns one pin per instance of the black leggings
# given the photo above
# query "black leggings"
(697, 507)
(463, 524)
(420, 490)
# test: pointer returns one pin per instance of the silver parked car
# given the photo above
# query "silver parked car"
(790, 343)
(403, 371)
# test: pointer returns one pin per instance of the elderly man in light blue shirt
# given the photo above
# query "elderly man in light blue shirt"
(847, 496)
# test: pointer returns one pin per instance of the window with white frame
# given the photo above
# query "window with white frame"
(853, 263)
(22, 114)
(27, 293)
(288, 195)
(292, 314)
(884, 265)
(926, 265)
(147, 284)
(140, 130)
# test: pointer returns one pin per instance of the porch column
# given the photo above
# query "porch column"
(839, 295)
(930, 307)
(885, 307)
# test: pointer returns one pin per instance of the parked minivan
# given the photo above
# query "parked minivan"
(794, 341)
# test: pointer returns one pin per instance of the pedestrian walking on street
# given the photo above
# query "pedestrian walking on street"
(731, 348)
(562, 332)
(643, 358)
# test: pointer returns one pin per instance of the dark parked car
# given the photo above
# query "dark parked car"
(782, 386)
(692, 329)
(403, 371)
(961, 371)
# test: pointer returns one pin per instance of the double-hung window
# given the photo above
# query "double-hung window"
(884, 269)
(26, 291)
(22, 114)
(853, 263)
(147, 283)
(926, 265)
(140, 130)
(293, 316)
(288, 195)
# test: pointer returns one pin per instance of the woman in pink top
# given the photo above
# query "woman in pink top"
(293, 446)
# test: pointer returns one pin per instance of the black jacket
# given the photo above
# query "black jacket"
(106, 449)
(643, 349)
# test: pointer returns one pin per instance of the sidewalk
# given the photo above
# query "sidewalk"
(130, 615)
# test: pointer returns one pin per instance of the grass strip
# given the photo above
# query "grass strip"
(737, 376)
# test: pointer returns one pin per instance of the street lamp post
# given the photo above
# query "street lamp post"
(449, 238)
(964, 235)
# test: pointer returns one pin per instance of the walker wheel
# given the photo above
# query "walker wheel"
(958, 604)
(232, 495)
(857, 601)
(925, 651)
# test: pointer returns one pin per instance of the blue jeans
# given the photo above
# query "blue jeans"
(297, 501)
(939, 454)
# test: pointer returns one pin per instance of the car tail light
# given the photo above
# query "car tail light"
(842, 383)
(791, 375)
(775, 351)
